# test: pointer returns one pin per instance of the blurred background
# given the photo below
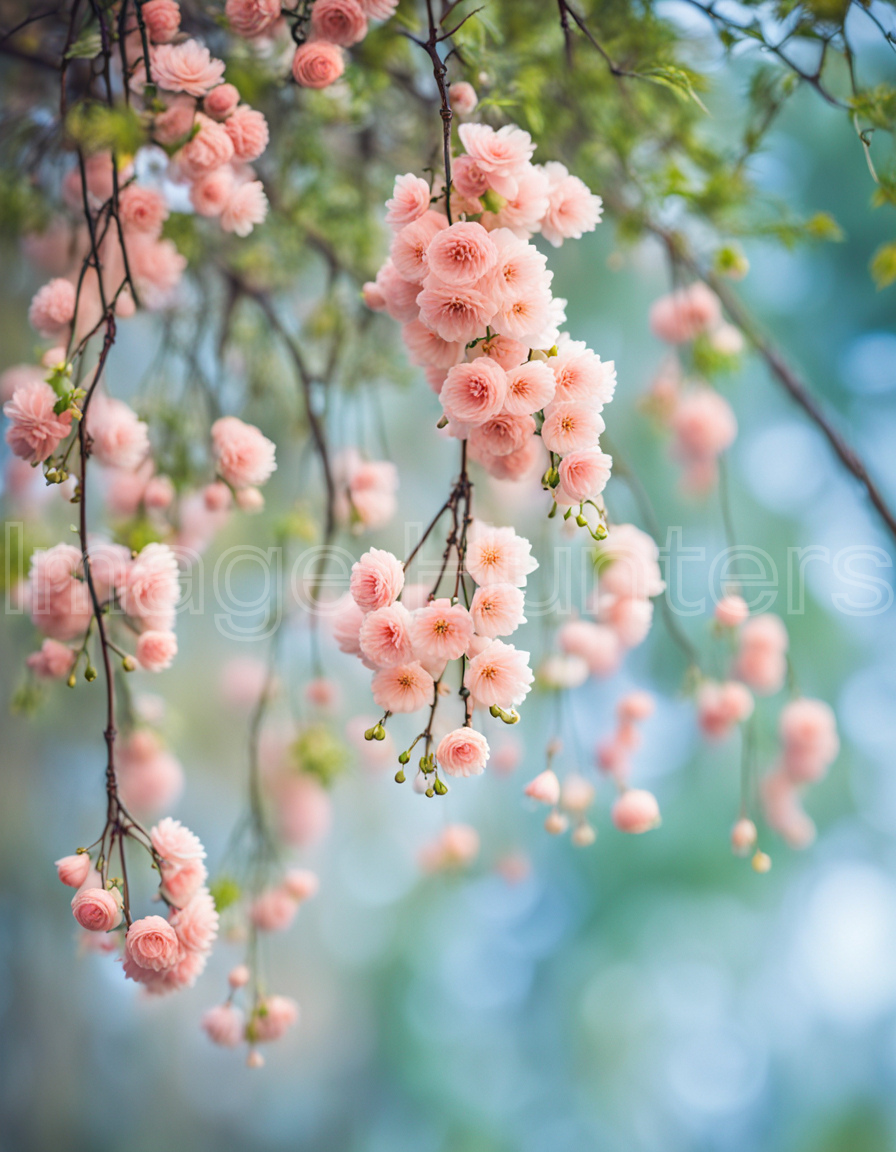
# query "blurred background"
(644, 993)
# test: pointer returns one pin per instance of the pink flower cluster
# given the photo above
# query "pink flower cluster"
(244, 460)
(163, 955)
(274, 909)
(212, 137)
(629, 577)
(474, 298)
(145, 587)
(333, 25)
(807, 730)
(366, 490)
(569, 802)
(703, 425)
(410, 648)
(721, 706)
(613, 755)
(270, 1019)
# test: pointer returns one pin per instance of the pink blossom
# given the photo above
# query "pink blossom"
(515, 465)
(73, 870)
(379, 9)
(545, 788)
(149, 590)
(273, 910)
(176, 122)
(35, 431)
(684, 314)
(731, 611)
(248, 131)
(704, 424)
(152, 943)
(523, 212)
(156, 266)
(571, 425)
(196, 924)
(317, 64)
(596, 644)
(181, 881)
(217, 497)
(636, 811)
(761, 661)
(186, 67)
(243, 456)
(504, 351)
(323, 693)
(580, 375)
(301, 884)
(53, 661)
(635, 707)
(576, 794)
(53, 308)
(252, 18)
(143, 209)
(410, 199)
(530, 387)
(503, 155)
(109, 564)
(463, 752)
(305, 811)
(385, 638)
(502, 435)
(159, 493)
(463, 97)
(239, 976)
(404, 688)
(497, 610)
(347, 618)
(572, 208)
(583, 475)
(119, 438)
(273, 1018)
(523, 314)
(224, 1025)
(427, 348)
(210, 148)
(410, 245)
(246, 207)
(500, 675)
(783, 811)
(461, 254)
(808, 731)
(743, 837)
(441, 631)
(156, 650)
(721, 706)
(175, 842)
(456, 846)
(468, 178)
(498, 556)
(221, 102)
(96, 909)
(162, 20)
(149, 778)
(399, 296)
(474, 393)
(629, 563)
(630, 617)
(376, 580)
(339, 21)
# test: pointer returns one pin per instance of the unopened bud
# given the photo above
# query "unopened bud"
(71, 680)
(404, 758)
(761, 862)
(440, 788)
(400, 776)
(370, 734)
(90, 673)
(379, 732)
(129, 664)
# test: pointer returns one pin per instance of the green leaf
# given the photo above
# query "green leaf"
(678, 79)
(86, 47)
